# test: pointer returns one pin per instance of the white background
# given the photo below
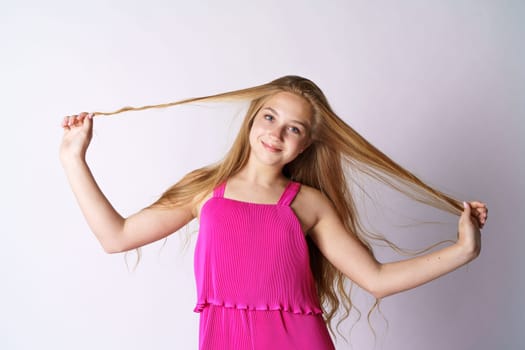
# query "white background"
(437, 85)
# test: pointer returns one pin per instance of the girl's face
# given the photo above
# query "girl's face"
(281, 129)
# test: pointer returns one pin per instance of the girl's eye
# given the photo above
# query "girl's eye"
(268, 117)
(295, 130)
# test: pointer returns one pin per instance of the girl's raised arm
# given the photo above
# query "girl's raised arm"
(347, 253)
(114, 232)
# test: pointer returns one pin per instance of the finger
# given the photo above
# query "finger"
(477, 215)
(86, 115)
(482, 213)
(481, 220)
(477, 204)
(65, 121)
(77, 120)
(87, 121)
(466, 211)
(81, 117)
(468, 217)
(479, 209)
(71, 120)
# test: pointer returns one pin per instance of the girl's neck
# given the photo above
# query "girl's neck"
(261, 176)
(249, 185)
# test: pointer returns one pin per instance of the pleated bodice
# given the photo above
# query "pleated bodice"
(253, 256)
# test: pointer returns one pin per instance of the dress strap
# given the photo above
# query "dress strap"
(218, 192)
(289, 193)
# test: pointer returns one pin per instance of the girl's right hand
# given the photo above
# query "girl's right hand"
(78, 130)
(472, 219)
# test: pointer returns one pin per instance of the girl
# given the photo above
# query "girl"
(279, 230)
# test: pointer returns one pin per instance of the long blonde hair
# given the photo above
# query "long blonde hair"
(334, 147)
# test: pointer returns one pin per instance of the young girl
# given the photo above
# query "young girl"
(279, 230)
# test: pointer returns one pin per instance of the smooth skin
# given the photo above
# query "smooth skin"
(280, 132)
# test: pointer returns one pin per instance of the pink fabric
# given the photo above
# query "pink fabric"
(255, 289)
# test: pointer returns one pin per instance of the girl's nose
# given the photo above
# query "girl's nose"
(277, 133)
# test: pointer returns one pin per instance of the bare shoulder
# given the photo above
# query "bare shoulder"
(309, 206)
(314, 196)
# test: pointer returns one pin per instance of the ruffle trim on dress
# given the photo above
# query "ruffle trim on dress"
(304, 310)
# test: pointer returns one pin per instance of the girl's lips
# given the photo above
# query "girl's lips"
(270, 148)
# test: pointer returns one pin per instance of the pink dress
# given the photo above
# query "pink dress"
(255, 289)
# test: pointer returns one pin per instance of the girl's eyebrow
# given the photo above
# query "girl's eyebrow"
(271, 110)
(295, 121)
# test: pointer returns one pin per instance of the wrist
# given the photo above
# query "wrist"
(468, 251)
(70, 159)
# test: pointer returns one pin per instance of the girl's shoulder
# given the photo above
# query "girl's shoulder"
(311, 195)
(310, 205)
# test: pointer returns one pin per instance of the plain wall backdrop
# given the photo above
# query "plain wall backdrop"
(437, 85)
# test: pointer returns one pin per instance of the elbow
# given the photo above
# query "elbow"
(377, 287)
(111, 250)
(376, 294)
(379, 293)
(108, 249)
(112, 246)
(113, 241)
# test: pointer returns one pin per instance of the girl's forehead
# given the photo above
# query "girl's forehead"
(289, 105)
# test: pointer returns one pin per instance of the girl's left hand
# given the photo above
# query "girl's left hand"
(472, 219)
(478, 212)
